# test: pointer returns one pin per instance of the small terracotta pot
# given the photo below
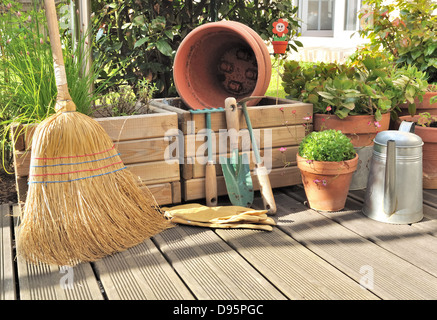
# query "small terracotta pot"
(326, 183)
(424, 106)
(429, 151)
(361, 129)
(279, 46)
(218, 60)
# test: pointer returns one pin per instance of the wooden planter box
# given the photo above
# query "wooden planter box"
(284, 121)
(141, 141)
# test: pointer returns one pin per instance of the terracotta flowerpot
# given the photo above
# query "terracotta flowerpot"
(279, 46)
(429, 151)
(360, 129)
(218, 60)
(424, 106)
(326, 183)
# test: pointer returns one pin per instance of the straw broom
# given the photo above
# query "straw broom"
(82, 203)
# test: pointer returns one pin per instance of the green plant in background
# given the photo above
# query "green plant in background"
(303, 81)
(375, 88)
(368, 84)
(427, 120)
(124, 101)
(142, 36)
(405, 29)
(27, 84)
(327, 145)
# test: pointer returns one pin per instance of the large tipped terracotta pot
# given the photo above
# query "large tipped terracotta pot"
(326, 183)
(218, 60)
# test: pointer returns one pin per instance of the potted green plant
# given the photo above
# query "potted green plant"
(356, 98)
(407, 31)
(326, 160)
(426, 128)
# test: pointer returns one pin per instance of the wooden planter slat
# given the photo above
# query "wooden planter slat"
(284, 119)
(142, 143)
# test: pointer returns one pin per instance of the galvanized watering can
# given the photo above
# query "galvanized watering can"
(394, 191)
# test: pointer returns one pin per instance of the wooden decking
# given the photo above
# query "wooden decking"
(308, 255)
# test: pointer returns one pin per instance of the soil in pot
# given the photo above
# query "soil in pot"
(326, 183)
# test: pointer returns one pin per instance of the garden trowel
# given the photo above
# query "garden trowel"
(236, 170)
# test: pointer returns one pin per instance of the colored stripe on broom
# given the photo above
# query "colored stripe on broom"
(97, 175)
(77, 171)
(74, 163)
(79, 156)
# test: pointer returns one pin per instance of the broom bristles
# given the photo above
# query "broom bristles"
(82, 203)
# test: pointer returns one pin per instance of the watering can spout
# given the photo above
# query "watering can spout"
(390, 179)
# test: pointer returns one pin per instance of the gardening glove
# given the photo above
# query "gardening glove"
(220, 217)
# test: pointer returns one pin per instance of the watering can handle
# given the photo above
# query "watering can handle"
(407, 126)
(390, 179)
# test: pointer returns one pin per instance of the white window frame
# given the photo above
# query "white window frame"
(338, 28)
(313, 33)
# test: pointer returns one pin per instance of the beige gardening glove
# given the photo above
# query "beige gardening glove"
(220, 217)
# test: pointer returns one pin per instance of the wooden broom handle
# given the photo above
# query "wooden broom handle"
(63, 100)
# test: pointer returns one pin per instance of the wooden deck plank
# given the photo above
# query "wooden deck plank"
(211, 268)
(429, 222)
(47, 282)
(7, 278)
(408, 241)
(140, 272)
(384, 273)
(293, 269)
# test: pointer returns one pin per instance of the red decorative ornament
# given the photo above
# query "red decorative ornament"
(280, 27)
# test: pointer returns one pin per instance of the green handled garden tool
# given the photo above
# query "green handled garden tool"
(236, 170)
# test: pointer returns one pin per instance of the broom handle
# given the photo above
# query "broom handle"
(63, 100)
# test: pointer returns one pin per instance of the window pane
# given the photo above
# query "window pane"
(320, 14)
(313, 15)
(326, 14)
(350, 15)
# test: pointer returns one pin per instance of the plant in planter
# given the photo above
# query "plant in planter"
(407, 31)
(426, 128)
(327, 161)
(368, 88)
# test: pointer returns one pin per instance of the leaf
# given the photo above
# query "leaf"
(312, 98)
(99, 34)
(349, 105)
(164, 47)
(169, 34)
(326, 95)
(369, 63)
(342, 113)
(139, 20)
(141, 42)
(298, 43)
(412, 109)
(378, 115)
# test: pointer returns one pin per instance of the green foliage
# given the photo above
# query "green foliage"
(27, 83)
(426, 120)
(327, 145)
(366, 85)
(123, 101)
(405, 29)
(304, 81)
(140, 37)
